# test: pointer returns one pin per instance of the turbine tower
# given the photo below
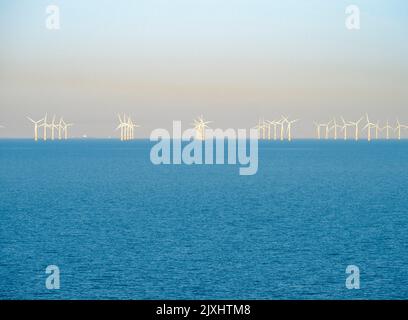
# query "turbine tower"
(326, 126)
(53, 126)
(200, 125)
(66, 126)
(45, 125)
(259, 126)
(125, 128)
(368, 126)
(344, 127)
(122, 126)
(356, 125)
(399, 127)
(35, 127)
(334, 128)
(318, 126)
(132, 127)
(267, 124)
(264, 125)
(61, 125)
(289, 126)
(377, 129)
(387, 128)
(275, 124)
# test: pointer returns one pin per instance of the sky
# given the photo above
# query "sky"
(233, 61)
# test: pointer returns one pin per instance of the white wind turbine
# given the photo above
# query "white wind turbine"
(289, 127)
(356, 125)
(387, 128)
(132, 127)
(326, 126)
(267, 125)
(66, 126)
(122, 126)
(344, 127)
(334, 128)
(318, 126)
(35, 127)
(45, 125)
(399, 127)
(327, 129)
(368, 126)
(60, 125)
(283, 121)
(264, 126)
(200, 125)
(275, 124)
(259, 126)
(377, 129)
(53, 126)
(126, 128)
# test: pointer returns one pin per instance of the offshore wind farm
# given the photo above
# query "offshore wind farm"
(61, 128)
(274, 130)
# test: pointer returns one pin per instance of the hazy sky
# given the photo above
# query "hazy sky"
(230, 60)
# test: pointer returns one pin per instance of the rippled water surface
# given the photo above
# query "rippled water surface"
(120, 227)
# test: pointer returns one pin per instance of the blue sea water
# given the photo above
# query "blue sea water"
(119, 227)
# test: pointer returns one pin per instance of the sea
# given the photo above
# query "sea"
(119, 227)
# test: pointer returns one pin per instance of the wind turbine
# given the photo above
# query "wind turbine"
(45, 125)
(35, 127)
(356, 124)
(125, 128)
(264, 125)
(318, 126)
(274, 124)
(334, 127)
(53, 126)
(399, 127)
(289, 126)
(259, 126)
(203, 125)
(326, 126)
(283, 121)
(387, 128)
(368, 126)
(132, 127)
(322, 125)
(267, 124)
(344, 127)
(61, 125)
(66, 129)
(66, 126)
(200, 125)
(377, 129)
(122, 126)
